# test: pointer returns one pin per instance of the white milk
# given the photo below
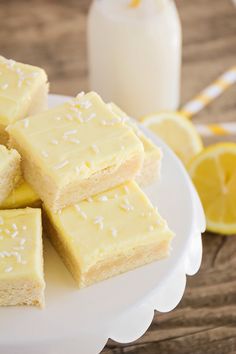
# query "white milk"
(135, 54)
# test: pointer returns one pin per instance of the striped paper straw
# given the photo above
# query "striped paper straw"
(216, 129)
(210, 93)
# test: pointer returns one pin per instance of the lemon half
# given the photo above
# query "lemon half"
(177, 131)
(213, 172)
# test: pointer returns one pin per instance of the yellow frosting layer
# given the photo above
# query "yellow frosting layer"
(108, 224)
(18, 84)
(21, 245)
(21, 196)
(76, 139)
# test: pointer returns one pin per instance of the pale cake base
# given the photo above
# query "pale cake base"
(111, 266)
(22, 293)
(121, 263)
(39, 103)
(10, 175)
(150, 170)
(56, 198)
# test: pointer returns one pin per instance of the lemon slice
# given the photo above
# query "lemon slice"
(214, 174)
(177, 131)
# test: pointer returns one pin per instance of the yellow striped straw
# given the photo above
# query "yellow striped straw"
(134, 3)
(210, 93)
(216, 129)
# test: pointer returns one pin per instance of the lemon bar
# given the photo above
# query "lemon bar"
(108, 234)
(21, 260)
(75, 150)
(23, 91)
(10, 171)
(152, 154)
(21, 196)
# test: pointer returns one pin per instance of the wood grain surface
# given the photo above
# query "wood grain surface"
(52, 34)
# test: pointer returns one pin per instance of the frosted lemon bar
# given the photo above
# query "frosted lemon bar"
(152, 154)
(23, 91)
(21, 196)
(21, 260)
(75, 150)
(108, 234)
(10, 171)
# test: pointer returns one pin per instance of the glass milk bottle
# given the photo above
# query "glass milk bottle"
(134, 49)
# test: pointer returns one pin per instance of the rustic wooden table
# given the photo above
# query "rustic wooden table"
(51, 34)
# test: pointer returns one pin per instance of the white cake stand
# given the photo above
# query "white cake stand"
(121, 308)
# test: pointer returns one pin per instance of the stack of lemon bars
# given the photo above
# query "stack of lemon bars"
(83, 163)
